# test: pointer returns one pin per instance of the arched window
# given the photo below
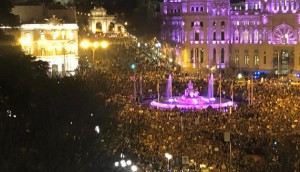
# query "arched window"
(98, 27)
(111, 27)
(246, 36)
(222, 55)
(284, 34)
(214, 56)
(214, 36)
(236, 35)
(197, 53)
(222, 36)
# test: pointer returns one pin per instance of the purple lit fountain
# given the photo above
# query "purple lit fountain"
(191, 98)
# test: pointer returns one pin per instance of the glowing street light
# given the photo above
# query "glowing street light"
(128, 162)
(123, 163)
(86, 44)
(168, 156)
(134, 168)
(240, 76)
(104, 44)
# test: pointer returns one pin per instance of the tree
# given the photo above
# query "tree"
(6, 16)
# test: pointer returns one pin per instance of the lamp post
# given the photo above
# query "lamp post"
(168, 156)
(133, 66)
(94, 45)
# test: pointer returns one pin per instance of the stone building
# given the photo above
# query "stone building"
(54, 42)
(256, 35)
(102, 23)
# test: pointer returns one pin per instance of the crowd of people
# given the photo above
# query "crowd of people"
(264, 136)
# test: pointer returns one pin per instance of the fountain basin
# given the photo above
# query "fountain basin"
(192, 103)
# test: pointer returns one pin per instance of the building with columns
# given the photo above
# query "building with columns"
(256, 35)
(102, 23)
(54, 42)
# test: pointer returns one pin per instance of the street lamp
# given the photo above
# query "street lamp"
(133, 67)
(94, 45)
(168, 156)
(134, 168)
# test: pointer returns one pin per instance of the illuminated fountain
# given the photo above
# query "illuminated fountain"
(191, 98)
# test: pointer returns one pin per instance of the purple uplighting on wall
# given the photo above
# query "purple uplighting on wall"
(217, 24)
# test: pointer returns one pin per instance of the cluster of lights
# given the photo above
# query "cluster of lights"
(126, 163)
(10, 115)
(87, 44)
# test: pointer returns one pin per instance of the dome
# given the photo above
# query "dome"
(98, 12)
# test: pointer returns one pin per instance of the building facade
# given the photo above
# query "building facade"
(105, 25)
(54, 42)
(256, 35)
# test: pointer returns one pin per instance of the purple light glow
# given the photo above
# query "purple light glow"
(194, 104)
(191, 98)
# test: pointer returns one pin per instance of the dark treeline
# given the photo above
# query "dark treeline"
(48, 123)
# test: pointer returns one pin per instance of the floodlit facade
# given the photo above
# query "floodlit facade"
(105, 25)
(257, 35)
(54, 42)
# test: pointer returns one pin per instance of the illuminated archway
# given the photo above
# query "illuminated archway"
(284, 34)
(98, 27)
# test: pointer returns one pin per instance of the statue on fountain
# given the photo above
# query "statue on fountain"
(190, 92)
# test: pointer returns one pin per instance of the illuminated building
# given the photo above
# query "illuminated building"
(102, 23)
(54, 42)
(257, 35)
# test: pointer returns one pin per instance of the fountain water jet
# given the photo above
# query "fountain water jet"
(169, 87)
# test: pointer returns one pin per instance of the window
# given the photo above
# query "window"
(196, 53)
(192, 56)
(214, 36)
(223, 23)
(197, 36)
(265, 60)
(192, 9)
(214, 23)
(246, 58)
(214, 56)
(201, 9)
(222, 55)
(202, 56)
(255, 36)
(256, 58)
(197, 8)
(222, 36)
(201, 24)
(236, 35)
(192, 24)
